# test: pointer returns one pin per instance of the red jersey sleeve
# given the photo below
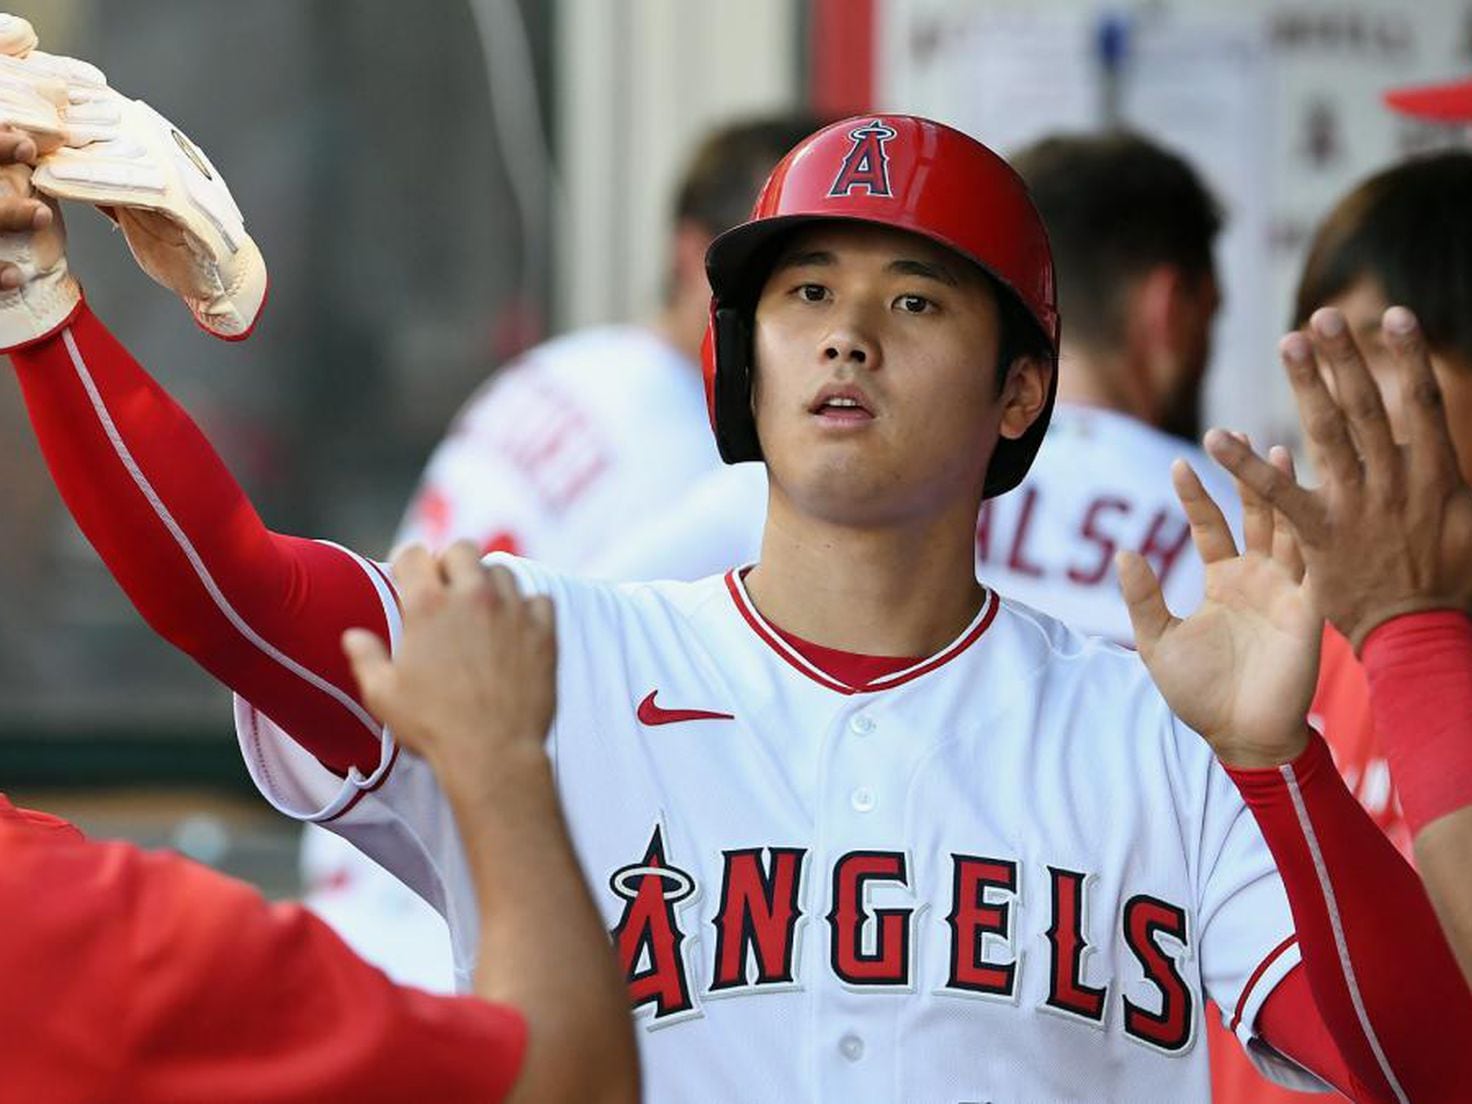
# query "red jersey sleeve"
(144, 977)
(262, 612)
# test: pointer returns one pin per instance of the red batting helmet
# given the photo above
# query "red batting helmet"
(892, 170)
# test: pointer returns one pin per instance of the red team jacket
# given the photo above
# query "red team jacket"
(140, 976)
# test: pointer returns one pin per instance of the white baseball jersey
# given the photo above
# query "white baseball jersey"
(1005, 873)
(1099, 485)
(550, 458)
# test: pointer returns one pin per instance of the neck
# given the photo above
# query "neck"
(902, 590)
(1105, 380)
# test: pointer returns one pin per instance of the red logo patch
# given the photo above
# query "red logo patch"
(866, 165)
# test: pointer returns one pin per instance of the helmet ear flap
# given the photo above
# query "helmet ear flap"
(735, 425)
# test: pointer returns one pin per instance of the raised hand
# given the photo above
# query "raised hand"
(1389, 531)
(1241, 669)
(471, 684)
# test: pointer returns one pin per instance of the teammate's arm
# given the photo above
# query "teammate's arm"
(470, 688)
(1388, 545)
(1241, 672)
(261, 611)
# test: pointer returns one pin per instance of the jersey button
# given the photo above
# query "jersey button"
(861, 724)
(863, 799)
(851, 1047)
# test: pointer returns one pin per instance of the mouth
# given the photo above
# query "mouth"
(841, 405)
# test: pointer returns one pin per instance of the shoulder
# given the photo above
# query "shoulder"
(580, 596)
(1104, 684)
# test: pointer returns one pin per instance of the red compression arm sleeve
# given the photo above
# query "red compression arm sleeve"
(264, 613)
(1420, 671)
(1383, 978)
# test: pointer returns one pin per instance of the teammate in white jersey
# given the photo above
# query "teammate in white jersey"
(863, 829)
(1133, 229)
(549, 459)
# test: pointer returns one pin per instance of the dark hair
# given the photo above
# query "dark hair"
(728, 168)
(1115, 205)
(1410, 229)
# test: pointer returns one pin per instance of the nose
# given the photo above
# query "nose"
(850, 342)
(842, 348)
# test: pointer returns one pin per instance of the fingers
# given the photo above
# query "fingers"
(20, 216)
(371, 665)
(16, 146)
(1323, 423)
(1209, 530)
(1359, 398)
(416, 575)
(1257, 512)
(1269, 481)
(1433, 456)
(461, 567)
(1286, 550)
(1149, 615)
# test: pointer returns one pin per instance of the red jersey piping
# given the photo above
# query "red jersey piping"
(769, 636)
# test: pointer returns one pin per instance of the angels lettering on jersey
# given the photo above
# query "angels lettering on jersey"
(761, 907)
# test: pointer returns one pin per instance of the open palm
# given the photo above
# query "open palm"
(1241, 669)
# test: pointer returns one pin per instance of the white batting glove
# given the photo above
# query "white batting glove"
(178, 215)
(47, 294)
(122, 156)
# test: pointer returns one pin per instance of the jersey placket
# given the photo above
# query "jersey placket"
(868, 904)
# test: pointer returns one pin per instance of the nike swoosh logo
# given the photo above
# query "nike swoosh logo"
(651, 714)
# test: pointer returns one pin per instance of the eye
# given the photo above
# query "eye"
(811, 293)
(914, 304)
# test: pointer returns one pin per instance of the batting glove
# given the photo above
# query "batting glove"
(122, 156)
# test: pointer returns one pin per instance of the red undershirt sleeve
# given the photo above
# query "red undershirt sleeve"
(1384, 982)
(262, 612)
(1420, 672)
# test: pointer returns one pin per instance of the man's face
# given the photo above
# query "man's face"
(875, 392)
(1180, 390)
(1362, 305)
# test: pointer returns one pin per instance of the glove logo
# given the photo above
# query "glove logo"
(191, 151)
(866, 165)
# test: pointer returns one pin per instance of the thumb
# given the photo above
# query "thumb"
(1149, 616)
(370, 662)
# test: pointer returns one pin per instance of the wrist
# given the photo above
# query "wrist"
(494, 778)
(1359, 632)
(1257, 755)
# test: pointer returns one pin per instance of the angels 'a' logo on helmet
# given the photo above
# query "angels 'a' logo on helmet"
(866, 165)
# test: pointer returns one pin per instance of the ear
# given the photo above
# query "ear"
(1025, 393)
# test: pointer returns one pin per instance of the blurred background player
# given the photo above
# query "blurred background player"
(551, 458)
(143, 976)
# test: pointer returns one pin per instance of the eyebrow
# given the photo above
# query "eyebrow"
(903, 266)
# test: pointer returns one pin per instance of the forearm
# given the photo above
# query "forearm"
(543, 948)
(260, 611)
(1383, 979)
(1420, 673)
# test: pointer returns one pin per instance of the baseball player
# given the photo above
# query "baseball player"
(867, 831)
(549, 459)
(145, 977)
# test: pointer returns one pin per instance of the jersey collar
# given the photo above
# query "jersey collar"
(773, 639)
